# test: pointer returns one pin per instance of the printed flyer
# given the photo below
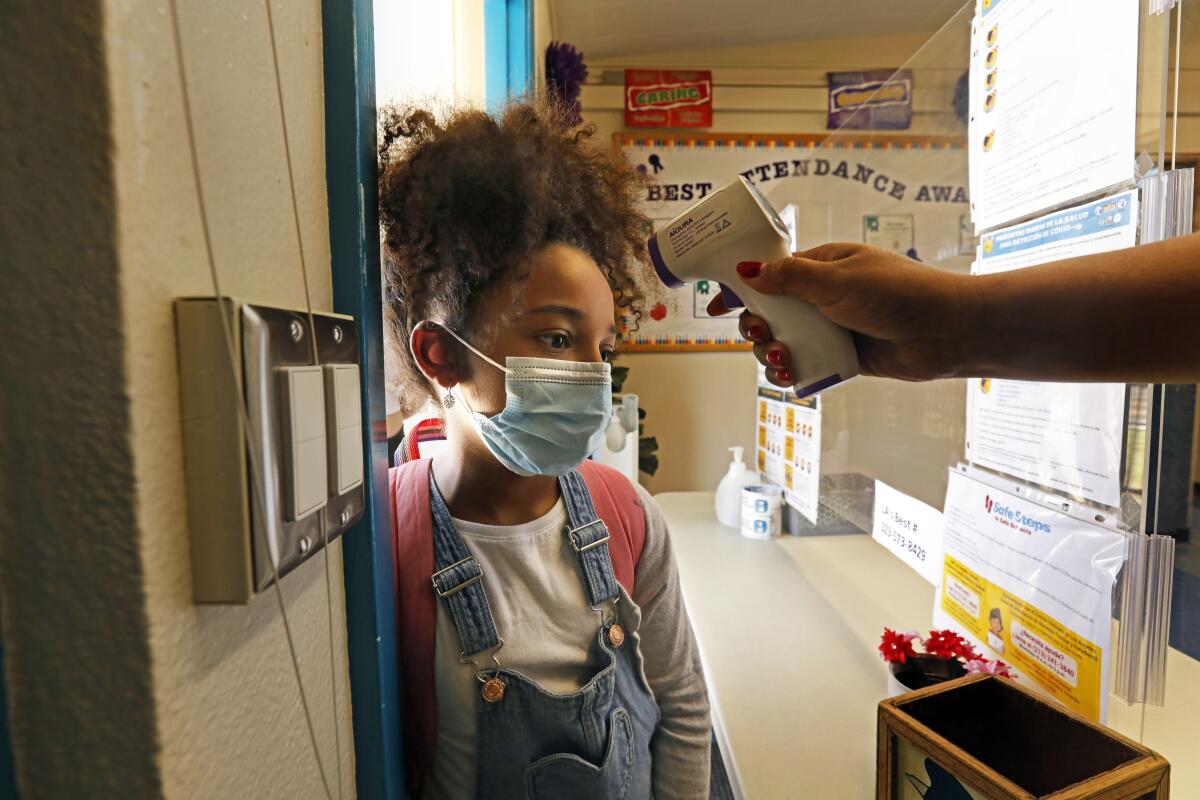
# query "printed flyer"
(1053, 101)
(1064, 436)
(802, 454)
(788, 452)
(1033, 587)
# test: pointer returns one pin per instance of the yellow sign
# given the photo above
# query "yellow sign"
(1049, 653)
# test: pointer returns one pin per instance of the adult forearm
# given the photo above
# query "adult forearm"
(1130, 315)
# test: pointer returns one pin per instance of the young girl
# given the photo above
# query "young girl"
(544, 646)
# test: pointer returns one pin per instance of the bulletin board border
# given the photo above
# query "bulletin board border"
(827, 140)
(683, 344)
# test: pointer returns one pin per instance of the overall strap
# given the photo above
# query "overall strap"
(589, 538)
(459, 581)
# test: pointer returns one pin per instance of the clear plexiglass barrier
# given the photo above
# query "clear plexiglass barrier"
(1033, 134)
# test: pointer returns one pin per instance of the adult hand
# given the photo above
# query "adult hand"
(902, 314)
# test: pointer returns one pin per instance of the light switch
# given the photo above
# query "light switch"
(302, 397)
(344, 420)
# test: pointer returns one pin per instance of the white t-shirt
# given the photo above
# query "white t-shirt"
(542, 613)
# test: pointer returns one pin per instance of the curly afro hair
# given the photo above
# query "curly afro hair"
(464, 205)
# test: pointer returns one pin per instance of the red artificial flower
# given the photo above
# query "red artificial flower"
(948, 644)
(896, 646)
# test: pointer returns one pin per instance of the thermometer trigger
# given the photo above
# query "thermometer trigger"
(731, 300)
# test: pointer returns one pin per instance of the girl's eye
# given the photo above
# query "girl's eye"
(556, 341)
(607, 355)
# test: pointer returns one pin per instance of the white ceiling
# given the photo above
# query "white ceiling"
(605, 28)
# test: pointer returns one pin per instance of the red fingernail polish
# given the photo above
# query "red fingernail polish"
(784, 375)
(775, 358)
(756, 333)
(749, 269)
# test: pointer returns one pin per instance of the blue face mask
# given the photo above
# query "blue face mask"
(554, 416)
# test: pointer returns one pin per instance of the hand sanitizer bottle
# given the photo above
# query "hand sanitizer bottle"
(729, 490)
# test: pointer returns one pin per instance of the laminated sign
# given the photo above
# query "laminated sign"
(1033, 587)
(880, 100)
(666, 98)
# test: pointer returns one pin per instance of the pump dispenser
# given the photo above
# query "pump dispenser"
(729, 490)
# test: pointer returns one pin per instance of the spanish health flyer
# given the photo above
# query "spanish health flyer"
(1053, 104)
(788, 451)
(1033, 587)
(1061, 435)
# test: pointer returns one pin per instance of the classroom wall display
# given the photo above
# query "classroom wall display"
(878, 100)
(915, 188)
(668, 98)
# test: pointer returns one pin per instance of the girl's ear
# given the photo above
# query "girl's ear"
(431, 351)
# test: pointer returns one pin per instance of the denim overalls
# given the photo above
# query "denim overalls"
(593, 744)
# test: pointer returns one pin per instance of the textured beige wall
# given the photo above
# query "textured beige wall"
(77, 658)
(697, 405)
(120, 686)
(227, 708)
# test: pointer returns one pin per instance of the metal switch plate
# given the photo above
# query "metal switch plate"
(293, 434)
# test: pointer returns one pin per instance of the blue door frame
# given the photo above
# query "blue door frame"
(351, 183)
(350, 177)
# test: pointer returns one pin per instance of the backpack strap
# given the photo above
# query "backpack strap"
(616, 502)
(416, 615)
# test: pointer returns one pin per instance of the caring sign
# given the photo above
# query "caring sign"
(668, 98)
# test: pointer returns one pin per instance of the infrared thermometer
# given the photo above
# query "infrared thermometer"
(736, 223)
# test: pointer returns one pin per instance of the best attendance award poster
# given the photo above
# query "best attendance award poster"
(1033, 587)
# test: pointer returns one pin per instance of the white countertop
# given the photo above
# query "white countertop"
(788, 630)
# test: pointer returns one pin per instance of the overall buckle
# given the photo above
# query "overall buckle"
(573, 535)
(471, 581)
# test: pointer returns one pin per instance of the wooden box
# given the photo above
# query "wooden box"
(983, 737)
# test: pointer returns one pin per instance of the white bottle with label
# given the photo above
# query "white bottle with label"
(729, 490)
(736, 223)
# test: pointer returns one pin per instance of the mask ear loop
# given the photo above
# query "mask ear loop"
(449, 399)
(471, 347)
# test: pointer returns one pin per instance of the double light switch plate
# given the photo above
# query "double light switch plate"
(273, 439)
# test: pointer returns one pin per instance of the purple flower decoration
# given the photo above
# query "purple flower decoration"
(565, 74)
